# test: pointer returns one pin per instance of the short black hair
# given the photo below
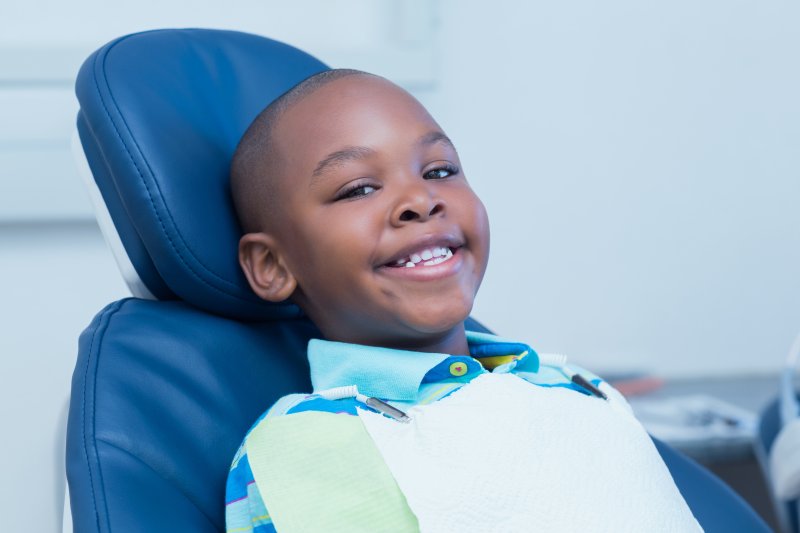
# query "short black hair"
(252, 167)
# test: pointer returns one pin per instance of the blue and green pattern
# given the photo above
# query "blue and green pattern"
(307, 425)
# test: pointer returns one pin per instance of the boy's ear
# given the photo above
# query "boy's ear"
(264, 267)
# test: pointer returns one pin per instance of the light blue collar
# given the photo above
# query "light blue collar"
(387, 373)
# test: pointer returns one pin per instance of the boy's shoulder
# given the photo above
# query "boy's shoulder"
(297, 403)
(302, 402)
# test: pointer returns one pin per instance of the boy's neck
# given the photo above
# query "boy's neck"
(453, 342)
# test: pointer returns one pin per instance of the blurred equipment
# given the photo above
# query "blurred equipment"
(778, 444)
(784, 460)
(698, 422)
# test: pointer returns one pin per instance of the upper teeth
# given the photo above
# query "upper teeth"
(428, 256)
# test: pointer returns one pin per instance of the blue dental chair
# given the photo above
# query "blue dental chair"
(167, 382)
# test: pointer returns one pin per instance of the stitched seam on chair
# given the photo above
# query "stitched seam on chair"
(156, 472)
(149, 192)
(91, 360)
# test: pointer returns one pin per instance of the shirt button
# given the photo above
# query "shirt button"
(458, 369)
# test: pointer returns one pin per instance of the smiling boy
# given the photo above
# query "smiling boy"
(364, 193)
(356, 208)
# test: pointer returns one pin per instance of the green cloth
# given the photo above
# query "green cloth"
(322, 472)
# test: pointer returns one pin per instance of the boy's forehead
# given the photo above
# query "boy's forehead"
(355, 109)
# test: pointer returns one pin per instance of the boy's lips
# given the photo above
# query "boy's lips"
(425, 250)
(430, 272)
(426, 259)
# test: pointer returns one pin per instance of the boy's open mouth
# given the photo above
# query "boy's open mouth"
(430, 256)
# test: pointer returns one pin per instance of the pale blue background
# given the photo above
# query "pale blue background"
(639, 161)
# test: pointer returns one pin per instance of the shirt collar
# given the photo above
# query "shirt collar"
(395, 374)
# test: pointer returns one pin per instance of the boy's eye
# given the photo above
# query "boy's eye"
(356, 191)
(440, 173)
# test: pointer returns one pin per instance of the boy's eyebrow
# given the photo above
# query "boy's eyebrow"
(351, 153)
(338, 157)
(434, 137)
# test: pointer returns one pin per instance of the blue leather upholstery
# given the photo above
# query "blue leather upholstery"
(164, 391)
(162, 395)
(714, 504)
(161, 114)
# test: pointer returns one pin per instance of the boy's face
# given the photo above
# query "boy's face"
(369, 184)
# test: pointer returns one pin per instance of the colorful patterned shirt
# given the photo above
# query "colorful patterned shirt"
(400, 378)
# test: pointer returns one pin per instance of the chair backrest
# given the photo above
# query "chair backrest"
(165, 388)
(164, 391)
(161, 113)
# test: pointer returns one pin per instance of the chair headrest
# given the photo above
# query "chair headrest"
(161, 115)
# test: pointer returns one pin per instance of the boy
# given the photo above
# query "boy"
(356, 208)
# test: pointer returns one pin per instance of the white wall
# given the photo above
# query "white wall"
(638, 159)
(641, 168)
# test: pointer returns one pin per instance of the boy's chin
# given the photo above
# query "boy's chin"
(434, 322)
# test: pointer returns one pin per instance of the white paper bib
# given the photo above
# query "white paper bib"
(503, 455)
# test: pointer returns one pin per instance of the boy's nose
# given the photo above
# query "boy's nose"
(418, 204)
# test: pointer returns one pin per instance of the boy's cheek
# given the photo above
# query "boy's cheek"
(481, 218)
